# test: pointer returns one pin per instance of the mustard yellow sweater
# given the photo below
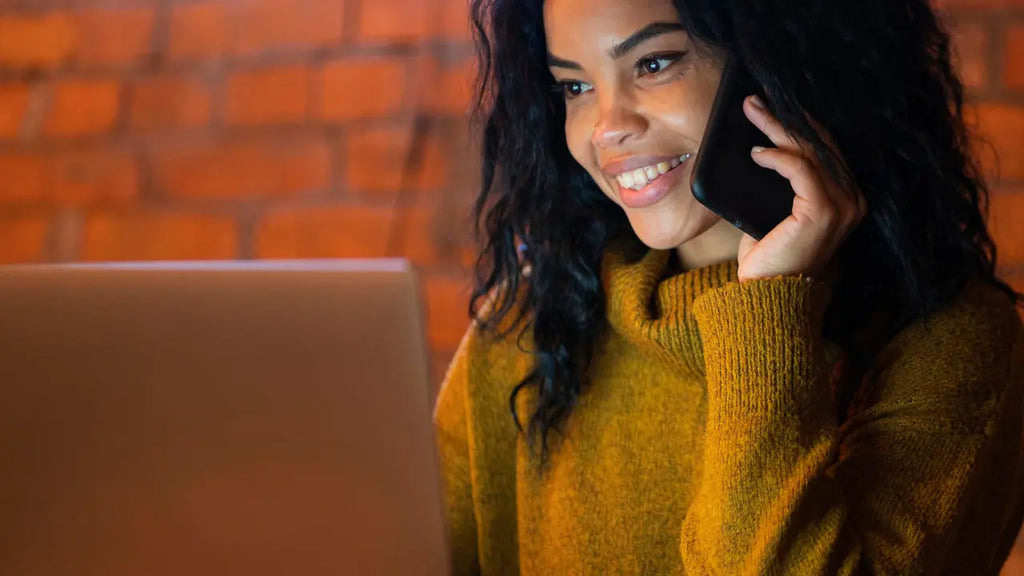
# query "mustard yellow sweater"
(708, 441)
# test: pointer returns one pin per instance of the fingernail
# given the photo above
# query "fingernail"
(757, 102)
(758, 149)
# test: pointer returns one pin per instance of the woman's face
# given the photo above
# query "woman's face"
(637, 99)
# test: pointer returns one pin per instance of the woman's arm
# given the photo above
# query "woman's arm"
(786, 491)
(451, 423)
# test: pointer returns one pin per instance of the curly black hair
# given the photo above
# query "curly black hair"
(877, 74)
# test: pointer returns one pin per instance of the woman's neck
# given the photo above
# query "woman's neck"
(719, 243)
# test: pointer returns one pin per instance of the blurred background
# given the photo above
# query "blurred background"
(242, 129)
(213, 129)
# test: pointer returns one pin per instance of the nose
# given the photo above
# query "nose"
(618, 121)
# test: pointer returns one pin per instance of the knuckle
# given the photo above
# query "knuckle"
(858, 211)
(805, 167)
(829, 212)
(851, 220)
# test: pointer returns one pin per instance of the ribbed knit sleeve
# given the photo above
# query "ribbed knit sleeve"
(784, 490)
(452, 432)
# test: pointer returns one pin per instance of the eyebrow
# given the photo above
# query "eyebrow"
(619, 50)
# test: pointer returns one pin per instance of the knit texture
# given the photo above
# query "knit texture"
(708, 442)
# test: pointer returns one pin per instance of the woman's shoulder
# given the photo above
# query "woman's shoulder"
(494, 353)
(966, 353)
(982, 317)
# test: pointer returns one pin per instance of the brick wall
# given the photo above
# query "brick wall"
(990, 41)
(159, 129)
(183, 129)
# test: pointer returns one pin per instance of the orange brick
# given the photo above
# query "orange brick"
(455, 24)
(363, 88)
(467, 256)
(249, 27)
(333, 232)
(419, 235)
(449, 88)
(432, 169)
(167, 102)
(1003, 127)
(115, 37)
(447, 304)
(111, 235)
(43, 41)
(83, 107)
(94, 174)
(23, 239)
(399, 21)
(24, 177)
(198, 31)
(1013, 57)
(1005, 215)
(353, 232)
(1015, 279)
(972, 42)
(277, 95)
(375, 158)
(257, 168)
(264, 25)
(14, 100)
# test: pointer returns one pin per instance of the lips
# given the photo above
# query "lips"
(637, 179)
(647, 191)
(622, 164)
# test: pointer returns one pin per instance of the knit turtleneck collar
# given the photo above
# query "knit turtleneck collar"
(651, 307)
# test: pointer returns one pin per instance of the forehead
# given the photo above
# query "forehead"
(599, 24)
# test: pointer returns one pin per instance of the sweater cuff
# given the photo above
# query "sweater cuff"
(763, 347)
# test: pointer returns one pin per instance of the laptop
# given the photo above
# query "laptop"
(247, 418)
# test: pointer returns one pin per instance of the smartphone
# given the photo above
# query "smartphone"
(724, 177)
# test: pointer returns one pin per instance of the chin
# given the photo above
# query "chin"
(663, 233)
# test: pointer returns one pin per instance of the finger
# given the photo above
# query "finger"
(788, 140)
(829, 141)
(825, 135)
(799, 170)
(832, 144)
(776, 132)
(767, 122)
(839, 193)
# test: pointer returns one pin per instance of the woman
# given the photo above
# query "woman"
(645, 389)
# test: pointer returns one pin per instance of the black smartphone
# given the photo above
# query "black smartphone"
(724, 177)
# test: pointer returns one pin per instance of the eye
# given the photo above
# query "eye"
(573, 89)
(656, 63)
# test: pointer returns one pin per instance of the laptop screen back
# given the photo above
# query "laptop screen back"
(216, 418)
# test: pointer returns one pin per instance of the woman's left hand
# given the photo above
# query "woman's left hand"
(824, 212)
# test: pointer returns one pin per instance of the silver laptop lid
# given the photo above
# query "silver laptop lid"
(216, 418)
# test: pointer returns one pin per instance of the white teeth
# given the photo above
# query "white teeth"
(640, 177)
(626, 180)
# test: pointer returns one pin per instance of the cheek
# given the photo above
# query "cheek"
(577, 138)
(678, 113)
(578, 131)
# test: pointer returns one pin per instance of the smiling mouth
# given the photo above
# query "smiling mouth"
(641, 177)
